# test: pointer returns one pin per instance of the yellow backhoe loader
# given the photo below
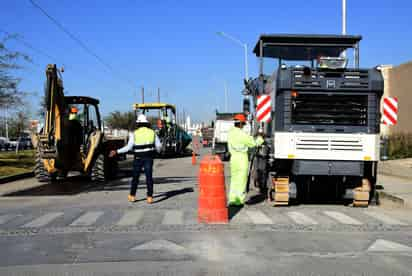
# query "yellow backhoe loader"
(72, 138)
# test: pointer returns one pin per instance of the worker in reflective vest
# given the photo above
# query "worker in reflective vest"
(239, 142)
(144, 143)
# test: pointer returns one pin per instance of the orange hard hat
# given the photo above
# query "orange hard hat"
(240, 118)
(73, 109)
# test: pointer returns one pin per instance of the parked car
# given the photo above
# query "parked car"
(25, 143)
(12, 144)
(4, 143)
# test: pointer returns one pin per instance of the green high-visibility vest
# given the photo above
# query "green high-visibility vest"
(144, 142)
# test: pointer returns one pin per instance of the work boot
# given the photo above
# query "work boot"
(131, 198)
(149, 199)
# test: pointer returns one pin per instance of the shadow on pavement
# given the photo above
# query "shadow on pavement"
(256, 199)
(233, 210)
(169, 194)
(77, 185)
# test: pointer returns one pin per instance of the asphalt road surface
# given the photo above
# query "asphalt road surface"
(80, 228)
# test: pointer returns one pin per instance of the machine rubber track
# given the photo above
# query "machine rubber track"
(279, 194)
(361, 195)
(98, 170)
(40, 171)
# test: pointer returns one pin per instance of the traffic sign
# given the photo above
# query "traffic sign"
(390, 110)
(264, 108)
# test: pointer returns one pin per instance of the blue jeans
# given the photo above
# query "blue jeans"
(147, 165)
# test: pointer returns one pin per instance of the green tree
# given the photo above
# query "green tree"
(10, 94)
(121, 120)
(18, 124)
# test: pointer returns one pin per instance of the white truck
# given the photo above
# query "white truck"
(223, 123)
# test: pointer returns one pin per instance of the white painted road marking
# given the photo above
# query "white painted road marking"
(258, 217)
(384, 218)
(43, 220)
(342, 218)
(159, 245)
(87, 219)
(300, 218)
(130, 218)
(173, 217)
(388, 246)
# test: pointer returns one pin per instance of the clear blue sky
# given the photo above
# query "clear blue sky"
(173, 44)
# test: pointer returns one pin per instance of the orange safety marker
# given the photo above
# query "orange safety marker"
(212, 193)
(193, 158)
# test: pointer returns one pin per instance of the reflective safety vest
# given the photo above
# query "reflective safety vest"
(238, 141)
(144, 142)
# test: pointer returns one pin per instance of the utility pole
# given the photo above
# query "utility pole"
(142, 94)
(7, 124)
(226, 109)
(158, 98)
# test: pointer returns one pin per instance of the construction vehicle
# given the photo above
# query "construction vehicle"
(207, 135)
(223, 123)
(162, 117)
(60, 147)
(323, 133)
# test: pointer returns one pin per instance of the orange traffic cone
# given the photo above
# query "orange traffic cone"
(212, 194)
(193, 158)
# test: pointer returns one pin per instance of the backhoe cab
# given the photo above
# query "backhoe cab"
(162, 117)
(72, 138)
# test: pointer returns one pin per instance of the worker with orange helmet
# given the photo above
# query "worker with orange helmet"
(239, 142)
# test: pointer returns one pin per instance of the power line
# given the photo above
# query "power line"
(77, 40)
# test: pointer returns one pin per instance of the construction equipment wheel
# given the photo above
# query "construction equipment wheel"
(278, 191)
(40, 171)
(361, 195)
(98, 170)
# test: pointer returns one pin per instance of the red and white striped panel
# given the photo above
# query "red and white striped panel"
(390, 110)
(264, 108)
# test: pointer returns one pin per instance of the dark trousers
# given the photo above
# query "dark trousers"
(147, 165)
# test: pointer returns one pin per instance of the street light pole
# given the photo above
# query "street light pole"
(344, 17)
(244, 45)
(344, 22)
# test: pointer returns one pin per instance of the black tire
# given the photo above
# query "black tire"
(40, 171)
(98, 170)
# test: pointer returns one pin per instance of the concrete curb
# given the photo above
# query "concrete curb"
(15, 177)
(386, 199)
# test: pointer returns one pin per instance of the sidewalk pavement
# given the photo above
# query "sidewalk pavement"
(395, 176)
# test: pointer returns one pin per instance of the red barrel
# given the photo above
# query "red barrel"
(212, 193)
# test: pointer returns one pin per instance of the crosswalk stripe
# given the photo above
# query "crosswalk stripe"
(342, 218)
(5, 218)
(258, 217)
(43, 220)
(130, 218)
(173, 217)
(301, 218)
(384, 218)
(87, 219)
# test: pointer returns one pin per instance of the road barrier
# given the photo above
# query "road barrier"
(212, 193)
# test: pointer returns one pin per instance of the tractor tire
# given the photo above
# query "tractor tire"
(98, 170)
(40, 171)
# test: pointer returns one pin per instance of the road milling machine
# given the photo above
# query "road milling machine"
(72, 138)
(323, 132)
(162, 117)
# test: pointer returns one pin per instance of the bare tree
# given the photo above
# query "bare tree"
(10, 94)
